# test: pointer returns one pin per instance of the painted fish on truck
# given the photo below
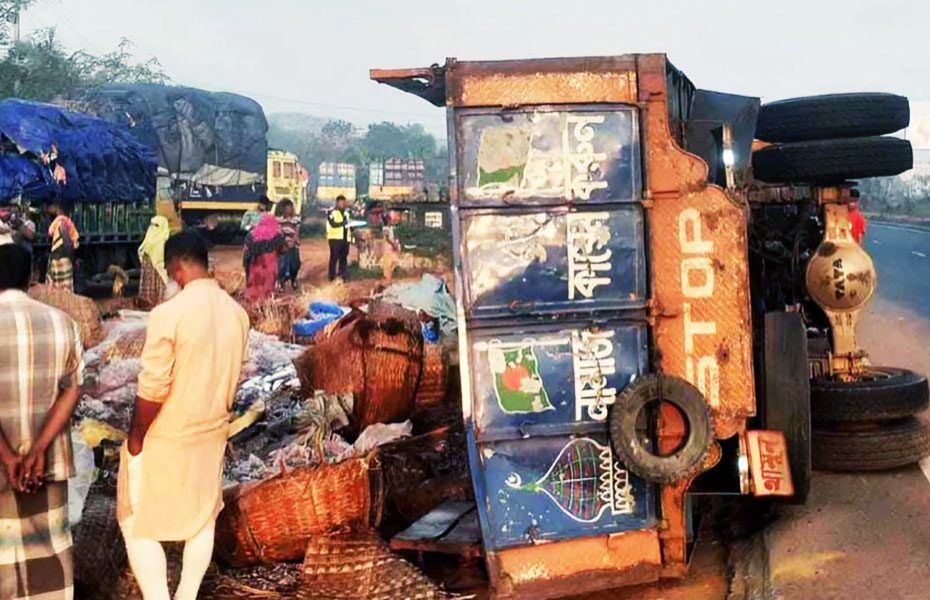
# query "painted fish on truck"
(559, 486)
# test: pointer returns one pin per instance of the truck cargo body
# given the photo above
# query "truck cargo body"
(590, 252)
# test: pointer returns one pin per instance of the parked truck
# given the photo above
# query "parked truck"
(211, 147)
(651, 303)
(334, 180)
(102, 176)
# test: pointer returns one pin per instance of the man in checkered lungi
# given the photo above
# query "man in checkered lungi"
(40, 373)
(64, 238)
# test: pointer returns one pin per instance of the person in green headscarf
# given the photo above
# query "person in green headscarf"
(154, 278)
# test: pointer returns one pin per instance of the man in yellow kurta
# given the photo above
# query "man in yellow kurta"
(170, 478)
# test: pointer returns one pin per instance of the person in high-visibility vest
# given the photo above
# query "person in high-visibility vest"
(337, 234)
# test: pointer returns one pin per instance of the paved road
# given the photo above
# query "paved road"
(902, 259)
(868, 535)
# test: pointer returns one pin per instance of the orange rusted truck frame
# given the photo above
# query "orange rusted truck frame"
(699, 311)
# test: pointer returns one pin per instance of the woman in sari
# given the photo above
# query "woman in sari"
(262, 246)
(154, 278)
(64, 236)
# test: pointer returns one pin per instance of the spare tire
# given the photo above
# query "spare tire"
(832, 116)
(886, 393)
(832, 161)
(629, 443)
(884, 446)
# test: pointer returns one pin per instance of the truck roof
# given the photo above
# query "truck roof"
(463, 79)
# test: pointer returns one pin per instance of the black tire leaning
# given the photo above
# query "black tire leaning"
(832, 116)
(901, 394)
(890, 445)
(832, 161)
(786, 387)
(637, 457)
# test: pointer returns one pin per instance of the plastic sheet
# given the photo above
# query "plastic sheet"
(376, 435)
(430, 294)
(84, 475)
(267, 354)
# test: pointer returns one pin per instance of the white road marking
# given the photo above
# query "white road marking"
(899, 228)
(925, 467)
(920, 254)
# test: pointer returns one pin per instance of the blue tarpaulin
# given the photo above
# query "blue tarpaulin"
(103, 162)
(187, 127)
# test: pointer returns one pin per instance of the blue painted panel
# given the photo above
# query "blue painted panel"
(548, 155)
(550, 262)
(551, 379)
(552, 488)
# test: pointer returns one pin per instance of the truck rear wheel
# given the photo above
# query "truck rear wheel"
(882, 393)
(872, 447)
(832, 161)
(832, 116)
(786, 387)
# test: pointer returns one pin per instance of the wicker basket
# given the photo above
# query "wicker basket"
(435, 380)
(361, 567)
(273, 520)
(378, 361)
(83, 310)
(99, 553)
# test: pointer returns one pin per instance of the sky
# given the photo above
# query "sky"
(313, 56)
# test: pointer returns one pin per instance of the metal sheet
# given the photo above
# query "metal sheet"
(548, 155)
(518, 262)
(562, 487)
(554, 379)
(541, 81)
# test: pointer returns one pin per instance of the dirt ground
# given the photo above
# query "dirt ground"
(314, 255)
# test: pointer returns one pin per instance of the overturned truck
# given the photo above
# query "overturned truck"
(620, 345)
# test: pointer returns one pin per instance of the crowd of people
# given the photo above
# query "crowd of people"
(271, 253)
(170, 475)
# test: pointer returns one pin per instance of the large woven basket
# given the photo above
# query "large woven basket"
(361, 567)
(98, 550)
(378, 361)
(434, 382)
(83, 310)
(273, 520)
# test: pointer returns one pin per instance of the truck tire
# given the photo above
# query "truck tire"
(832, 161)
(885, 446)
(786, 403)
(832, 116)
(888, 393)
(633, 450)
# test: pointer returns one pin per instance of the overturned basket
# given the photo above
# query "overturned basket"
(273, 520)
(378, 360)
